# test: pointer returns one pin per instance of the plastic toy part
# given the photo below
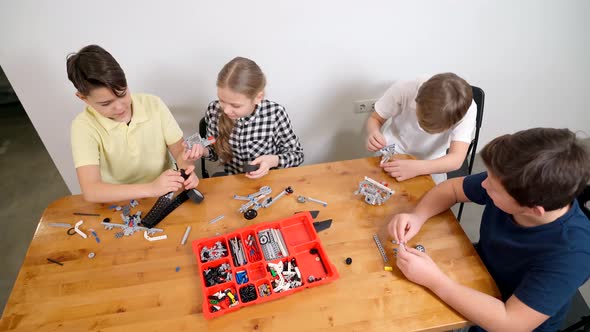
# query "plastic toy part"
(154, 238)
(91, 255)
(95, 235)
(197, 139)
(59, 224)
(380, 247)
(250, 214)
(348, 261)
(387, 268)
(127, 229)
(375, 193)
(217, 251)
(386, 153)
(77, 229)
(188, 230)
(250, 168)
(420, 248)
(216, 219)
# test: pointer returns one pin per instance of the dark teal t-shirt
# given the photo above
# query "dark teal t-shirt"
(542, 266)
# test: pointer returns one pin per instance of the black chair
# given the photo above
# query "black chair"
(467, 167)
(203, 133)
(579, 311)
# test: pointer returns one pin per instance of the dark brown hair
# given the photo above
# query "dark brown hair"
(442, 101)
(539, 167)
(240, 75)
(93, 67)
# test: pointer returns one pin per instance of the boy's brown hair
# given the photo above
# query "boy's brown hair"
(93, 67)
(539, 167)
(442, 101)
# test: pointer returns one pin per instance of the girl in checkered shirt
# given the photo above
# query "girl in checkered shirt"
(249, 129)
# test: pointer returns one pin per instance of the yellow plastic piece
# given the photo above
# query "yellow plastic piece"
(387, 268)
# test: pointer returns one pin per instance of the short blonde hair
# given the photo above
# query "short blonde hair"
(442, 101)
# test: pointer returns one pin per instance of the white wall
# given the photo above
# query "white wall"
(530, 57)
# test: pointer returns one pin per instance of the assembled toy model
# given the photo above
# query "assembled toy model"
(250, 209)
(386, 153)
(197, 139)
(375, 193)
(166, 204)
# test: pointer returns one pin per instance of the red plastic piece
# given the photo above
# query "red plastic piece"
(299, 237)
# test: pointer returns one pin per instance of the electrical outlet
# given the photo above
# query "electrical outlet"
(364, 106)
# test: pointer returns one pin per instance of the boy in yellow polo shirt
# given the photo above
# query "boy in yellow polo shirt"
(120, 141)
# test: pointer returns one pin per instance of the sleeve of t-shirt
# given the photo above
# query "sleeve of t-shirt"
(464, 130)
(552, 281)
(473, 189)
(172, 132)
(85, 143)
(391, 103)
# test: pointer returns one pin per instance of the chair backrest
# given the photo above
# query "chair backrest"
(584, 201)
(479, 98)
(203, 133)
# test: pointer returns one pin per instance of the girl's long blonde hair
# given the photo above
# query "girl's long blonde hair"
(240, 75)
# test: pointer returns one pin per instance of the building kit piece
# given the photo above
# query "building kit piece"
(95, 235)
(322, 225)
(59, 224)
(380, 247)
(241, 277)
(214, 253)
(91, 255)
(248, 293)
(237, 252)
(197, 139)
(264, 290)
(348, 261)
(375, 193)
(166, 204)
(287, 275)
(386, 153)
(55, 262)
(216, 219)
(252, 249)
(303, 199)
(272, 243)
(188, 230)
(217, 275)
(259, 200)
(130, 230)
(247, 168)
(77, 229)
(86, 214)
(420, 247)
(154, 238)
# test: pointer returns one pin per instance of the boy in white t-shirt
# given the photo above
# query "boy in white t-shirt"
(427, 118)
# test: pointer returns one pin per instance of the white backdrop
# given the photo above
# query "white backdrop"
(530, 57)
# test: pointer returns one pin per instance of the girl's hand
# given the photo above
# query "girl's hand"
(266, 162)
(195, 153)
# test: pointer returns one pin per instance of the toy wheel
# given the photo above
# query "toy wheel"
(250, 214)
(289, 190)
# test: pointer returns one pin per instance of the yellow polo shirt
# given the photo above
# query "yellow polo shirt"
(134, 153)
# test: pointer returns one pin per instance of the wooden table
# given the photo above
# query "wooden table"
(132, 284)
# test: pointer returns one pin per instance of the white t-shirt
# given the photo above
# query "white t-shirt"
(399, 104)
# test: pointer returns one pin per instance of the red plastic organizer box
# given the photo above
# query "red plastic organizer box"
(261, 263)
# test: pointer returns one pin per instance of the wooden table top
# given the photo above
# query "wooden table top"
(132, 284)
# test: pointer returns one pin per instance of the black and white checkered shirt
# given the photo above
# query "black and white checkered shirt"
(267, 131)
